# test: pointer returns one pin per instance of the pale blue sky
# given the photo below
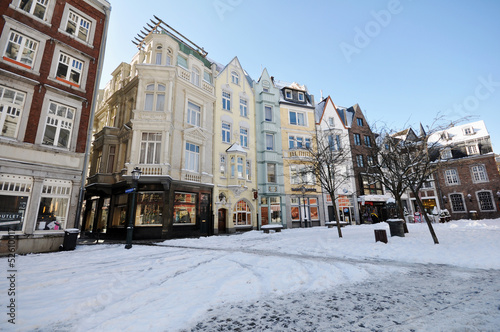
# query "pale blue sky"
(401, 61)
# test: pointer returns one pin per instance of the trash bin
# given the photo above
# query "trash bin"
(396, 227)
(473, 215)
(380, 235)
(70, 237)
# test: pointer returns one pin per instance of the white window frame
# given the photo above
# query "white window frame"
(222, 164)
(11, 109)
(61, 191)
(305, 141)
(14, 185)
(47, 4)
(195, 76)
(193, 114)
(462, 203)
(478, 173)
(192, 158)
(298, 114)
(154, 97)
(226, 100)
(226, 132)
(150, 150)
(472, 149)
(480, 201)
(446, 154)
(272, 167)
(468, 131)
(288, 94)
(68, 9)
(238, 211)
(244, 137)
(297, 177)
(301, 96)
(235, 78)
(24, 44)
(272, 146)
(270, 108)
(60, 123)
(243, 107)
(451, 177)
(73, 64)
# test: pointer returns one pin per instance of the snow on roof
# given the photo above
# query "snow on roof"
(462, 133)
(235, 147)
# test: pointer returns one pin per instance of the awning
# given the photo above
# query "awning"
(374, 198)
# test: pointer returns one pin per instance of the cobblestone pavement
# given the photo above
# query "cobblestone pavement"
(423, 298)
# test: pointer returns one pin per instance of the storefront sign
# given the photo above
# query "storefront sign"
(9, 218)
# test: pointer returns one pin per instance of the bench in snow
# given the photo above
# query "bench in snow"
(276, 227)
(332, 224)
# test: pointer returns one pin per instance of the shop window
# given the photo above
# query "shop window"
(54, 204)
(149, 209)
(184, 209)
(14, 195)
(242, 215)
(120, 211)
(11, 107)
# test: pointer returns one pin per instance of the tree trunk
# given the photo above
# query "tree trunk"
(427, 220)
(337, 217)
(401, 212)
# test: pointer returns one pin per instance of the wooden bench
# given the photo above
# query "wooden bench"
(275, 227)
(332, 224)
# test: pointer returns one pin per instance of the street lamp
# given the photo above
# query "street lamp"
(303, 190)
(498, 194)
(469, 196)
(136, 174)
(445, 199)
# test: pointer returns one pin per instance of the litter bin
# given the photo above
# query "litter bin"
(396, 227)
(473, 215)
(70, 237)
(380, 235)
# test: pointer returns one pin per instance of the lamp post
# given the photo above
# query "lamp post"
(303, 190)
(136, 174)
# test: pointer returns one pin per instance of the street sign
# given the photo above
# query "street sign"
(128, 191)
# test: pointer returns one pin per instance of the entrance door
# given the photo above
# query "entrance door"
(222, 221)
(331, 213)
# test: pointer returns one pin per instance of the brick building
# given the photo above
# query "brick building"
(51, 55)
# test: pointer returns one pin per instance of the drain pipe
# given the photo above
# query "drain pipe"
(107, 11)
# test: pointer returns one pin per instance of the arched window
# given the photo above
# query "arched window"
(242, 215)
(158, 54)
(169, 56)
(195, 76)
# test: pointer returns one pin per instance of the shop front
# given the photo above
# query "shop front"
(373, 208)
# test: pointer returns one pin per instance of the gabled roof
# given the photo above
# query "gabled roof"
(220, 69)
(235, 147)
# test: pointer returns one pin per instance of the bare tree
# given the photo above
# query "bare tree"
(330, 163)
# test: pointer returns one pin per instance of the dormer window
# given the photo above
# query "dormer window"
(472, 149)
(288, 94)
(446, 154)
(235, 78)
(468, 131)
(445, 135)
(301, 96)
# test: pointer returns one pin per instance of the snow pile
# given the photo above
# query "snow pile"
(172, 285)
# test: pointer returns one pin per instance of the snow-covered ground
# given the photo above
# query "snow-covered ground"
(295, 280)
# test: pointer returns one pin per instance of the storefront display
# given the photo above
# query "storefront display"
(149, 209)
(184, 209)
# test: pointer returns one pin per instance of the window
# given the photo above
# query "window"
(222, 164)
(368, 141)
(59, 125)
(468, 131)
(265, 86)
(359, 160)
(78, 26)
(242, 215)
(155, 99)
(370, 160)
(111, 158)
(268, 113)
(184, 208)
(243, 108)
(11, 107)
(192, 157)
(269, 142)
(446, 154)
(371, 186)
(226, 132)
(240, 167)
(299, 142)
(21, 50)
(69, 70)
(331, 122)
(457, 203)
(232, 166)
(334, 142)
(429, 182)
(195, 76)
(357, 139)
(271, 173)
(149, 209)
(150, 148)
(478, 173)
(235, 78)
(244, 137)
(297, 118)
(288, 94)
(451, 177)
(158, 58)
(14, 194)
(54, 204)
(207, 77)
(36, 8)
(194, 114)
(182, 61)
(360, 122)
(301, 96)
(249, 170)
(485, 201)
(226, 101)
(472, 149)
(299, 174)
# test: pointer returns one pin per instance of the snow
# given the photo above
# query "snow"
(298, 280)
